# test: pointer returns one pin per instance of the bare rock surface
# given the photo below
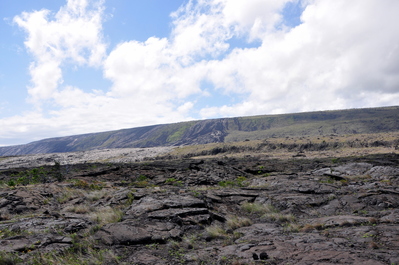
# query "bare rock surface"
(120, 155)
(226, 211)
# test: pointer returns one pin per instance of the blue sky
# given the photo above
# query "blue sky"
(80, 66)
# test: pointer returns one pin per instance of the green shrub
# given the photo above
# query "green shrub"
(238, 182)
(33, 176)
(83, 184)
(57, 171)
(141, 178)
(11, 183)
(141, 182)
(174, 182)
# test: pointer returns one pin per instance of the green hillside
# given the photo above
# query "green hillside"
(337, 122)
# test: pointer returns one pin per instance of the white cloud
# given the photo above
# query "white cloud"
(186, 107)
(73, 33)
(202, 28)
(150, 78)
(46, 77)
(253, 17)
(337, 58)
(343, 54)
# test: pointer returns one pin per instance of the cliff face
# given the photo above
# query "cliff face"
(221, 130)
(208, 131)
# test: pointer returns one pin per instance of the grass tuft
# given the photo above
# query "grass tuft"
(215, 231)
(107, 215)
(235, 222)
(278, 217)
(258, 208)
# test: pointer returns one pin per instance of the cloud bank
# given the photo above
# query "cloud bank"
(342, 54)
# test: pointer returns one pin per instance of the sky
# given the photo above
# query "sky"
(82, 66)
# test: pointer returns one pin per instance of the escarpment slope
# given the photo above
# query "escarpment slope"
(340, 122)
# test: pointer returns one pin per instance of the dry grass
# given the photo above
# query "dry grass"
(309, 227)
(268, 212)
(373, 245)
(215, 231)
(5, 215)
(258, 208)
(81, 252)
(292, 227)
(234, 222)
(96, 195)
(278, 217)
(79, 209)
(373, 220)
(345, 145)
(106, 215)
(67, 194)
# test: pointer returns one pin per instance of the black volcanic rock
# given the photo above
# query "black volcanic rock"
(263, 256)
(126, 215)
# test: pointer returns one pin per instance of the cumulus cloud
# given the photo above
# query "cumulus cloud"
(343, 54)
(202, 28)
(74, 33)
(149, 81)
(338, 57)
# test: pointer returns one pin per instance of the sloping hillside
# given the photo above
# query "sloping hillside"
(354, 121)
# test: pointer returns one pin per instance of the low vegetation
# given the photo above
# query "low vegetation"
(258, 208)
(310, 146)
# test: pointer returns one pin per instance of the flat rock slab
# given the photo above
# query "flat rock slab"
(393, 217)
(18, 244)
(383, 172)
(130, 233)
(231, 193)
(123, 234)
(183, 201)
(170, 213)
(341, 220)
(352, 169)
(144, 258)
(150, 204)
(41, 225)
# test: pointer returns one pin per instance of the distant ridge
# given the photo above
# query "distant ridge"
(352, 121)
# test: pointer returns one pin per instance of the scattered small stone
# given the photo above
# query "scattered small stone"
(255, 256)
(263, 256)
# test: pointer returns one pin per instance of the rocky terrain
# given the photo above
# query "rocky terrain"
(253, 209)
(123, 155)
